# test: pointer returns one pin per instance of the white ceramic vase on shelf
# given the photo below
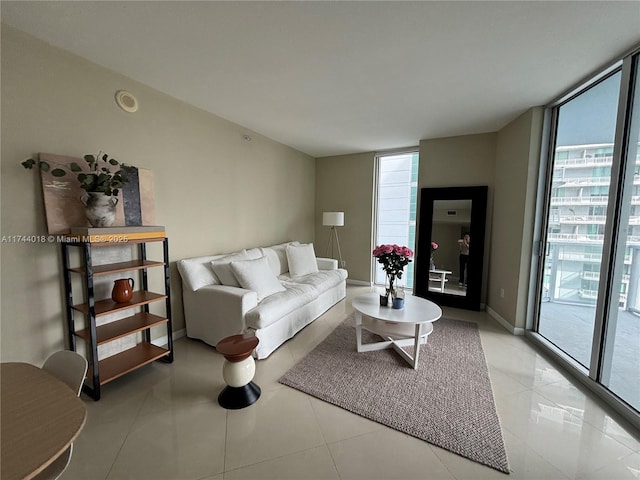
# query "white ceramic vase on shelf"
(100, 208)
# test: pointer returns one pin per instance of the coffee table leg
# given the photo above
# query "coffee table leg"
(358, 318)
(416, 345)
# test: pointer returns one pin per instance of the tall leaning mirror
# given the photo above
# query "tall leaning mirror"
(449, 257)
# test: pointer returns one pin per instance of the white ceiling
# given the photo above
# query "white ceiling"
(340, 77)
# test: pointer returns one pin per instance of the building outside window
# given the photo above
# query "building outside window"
(582, 174)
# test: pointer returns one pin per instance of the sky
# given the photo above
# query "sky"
(591, 117)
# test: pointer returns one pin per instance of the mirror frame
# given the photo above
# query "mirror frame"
(478, 197)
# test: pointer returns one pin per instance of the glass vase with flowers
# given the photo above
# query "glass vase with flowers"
(393, 259)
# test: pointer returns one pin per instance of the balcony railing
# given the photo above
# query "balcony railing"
(588, 238)
(587, 161)
(586, 257)
(573, 219)
(591, 276)
(560, 181)
(583, 162)
(591, 294)
(588, 200)
(580, 257)
(588, 219)
(584, 200)
(576, 237)
(595, 276)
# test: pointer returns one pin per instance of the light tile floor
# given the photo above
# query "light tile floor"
(163, 422)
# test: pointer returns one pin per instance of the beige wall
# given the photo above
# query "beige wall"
(345, 183)
(516, 175)
(214, 192)
(458, 161)
(462, 161)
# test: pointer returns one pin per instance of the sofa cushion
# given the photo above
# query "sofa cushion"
(197, 272)
(276, 306)
(302, 260)
(277, 256)
(222, 268)
(256, 275)
(322, 280)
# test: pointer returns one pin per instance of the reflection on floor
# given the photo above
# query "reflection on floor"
(570, 327)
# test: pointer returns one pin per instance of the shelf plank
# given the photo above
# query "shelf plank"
(122, 328)
(127, 361)
(131, 241)
(114, 238)
(106, 306)
(119, 267)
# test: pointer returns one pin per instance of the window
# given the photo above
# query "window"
(588, 276)
(396, 206)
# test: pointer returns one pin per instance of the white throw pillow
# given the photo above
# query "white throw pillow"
(221, 267)
(256, 275)
(302, 260)
(197, 272)
(277, 256)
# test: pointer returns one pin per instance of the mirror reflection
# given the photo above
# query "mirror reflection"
(450, 244)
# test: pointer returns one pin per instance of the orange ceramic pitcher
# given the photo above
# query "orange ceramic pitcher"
(122, 290)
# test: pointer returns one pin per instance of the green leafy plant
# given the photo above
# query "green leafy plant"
(99, 178)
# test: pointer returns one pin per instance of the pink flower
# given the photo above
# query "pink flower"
(393, 259)
(434, 246)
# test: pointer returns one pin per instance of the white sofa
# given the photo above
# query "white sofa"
(220, 299)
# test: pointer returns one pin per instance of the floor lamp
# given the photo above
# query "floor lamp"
(333, 220)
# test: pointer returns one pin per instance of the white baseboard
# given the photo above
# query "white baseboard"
(514, 330)
(160, 341)
(358, 282)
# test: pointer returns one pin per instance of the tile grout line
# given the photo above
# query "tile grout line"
(137, 415)
(326, 443)
(226, 438)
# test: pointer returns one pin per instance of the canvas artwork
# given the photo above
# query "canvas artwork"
(64, 208)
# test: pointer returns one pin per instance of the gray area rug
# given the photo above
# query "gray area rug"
(447, 401)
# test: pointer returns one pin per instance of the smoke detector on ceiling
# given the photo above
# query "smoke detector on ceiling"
(126, 101)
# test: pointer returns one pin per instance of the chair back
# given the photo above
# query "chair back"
(69, 367)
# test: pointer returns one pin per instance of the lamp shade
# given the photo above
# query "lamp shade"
(333, 219)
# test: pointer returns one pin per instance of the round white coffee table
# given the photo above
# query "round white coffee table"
(404, 327)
